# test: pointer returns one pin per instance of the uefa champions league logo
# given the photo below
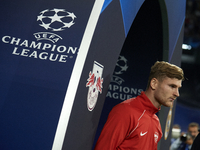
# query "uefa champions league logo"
(45, 49)
(121, 65)
(56, 19)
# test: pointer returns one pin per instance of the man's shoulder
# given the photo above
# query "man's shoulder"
(128, 105)
(133, 102)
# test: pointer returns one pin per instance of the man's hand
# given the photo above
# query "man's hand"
(189, 141)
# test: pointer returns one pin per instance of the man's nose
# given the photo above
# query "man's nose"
(176, 92)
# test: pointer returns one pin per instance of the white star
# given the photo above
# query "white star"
(46, 26)
(40, 17)
(68, 24)
(42, 12)
(71, 15)
(57, 10)
(124, 68)
(123, 58)
(56, 18)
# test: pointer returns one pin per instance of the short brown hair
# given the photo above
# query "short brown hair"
(193, 124)
(162, 69)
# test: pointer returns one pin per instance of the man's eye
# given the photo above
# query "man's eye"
(173, 86)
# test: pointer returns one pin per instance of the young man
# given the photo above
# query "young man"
(133, 124)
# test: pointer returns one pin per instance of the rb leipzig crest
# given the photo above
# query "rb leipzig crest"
(94, 82)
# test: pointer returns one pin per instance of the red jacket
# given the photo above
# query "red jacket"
(131, 125)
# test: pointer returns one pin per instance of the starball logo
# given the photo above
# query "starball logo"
(46, 47)
(56, 19)
(116, 88)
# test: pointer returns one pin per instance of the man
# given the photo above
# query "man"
(196, 143)
(133, 124)
(186, 140)
(176, 132)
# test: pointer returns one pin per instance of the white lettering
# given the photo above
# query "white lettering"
(110, 87)
(47, 36)
(4, 39)
(63, 58)
(119, 96)
(115, 87)
(51, 57)
(46, 45)
(16, 41)
(44, 35)
(34, 45)
(122, 93)
(51, 36)
(43, 46)
(56, 39)
(43, 55)
(126, 90)
(122, 97)
(72, 50)
(133, 91)
(61, 49)
(37, 36)
(115, 95)
(33, 54)
(15, 51)
(109, 94)
(25, 43)
(53, 48)
(139, 91)
(25, 52)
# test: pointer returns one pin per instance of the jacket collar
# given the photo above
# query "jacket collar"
(147, 104)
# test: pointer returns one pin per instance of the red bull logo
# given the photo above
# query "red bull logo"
(94, 82)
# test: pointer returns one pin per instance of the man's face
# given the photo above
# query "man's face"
(193, 131)
(167, 90)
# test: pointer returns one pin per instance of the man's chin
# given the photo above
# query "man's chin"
(169, 104)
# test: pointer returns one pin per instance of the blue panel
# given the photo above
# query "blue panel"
(129, 10)
(106, 3)
(38, 47)
(176, 18)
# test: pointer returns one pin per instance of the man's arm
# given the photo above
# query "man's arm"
(115, 130)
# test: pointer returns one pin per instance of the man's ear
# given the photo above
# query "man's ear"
(153, 83)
